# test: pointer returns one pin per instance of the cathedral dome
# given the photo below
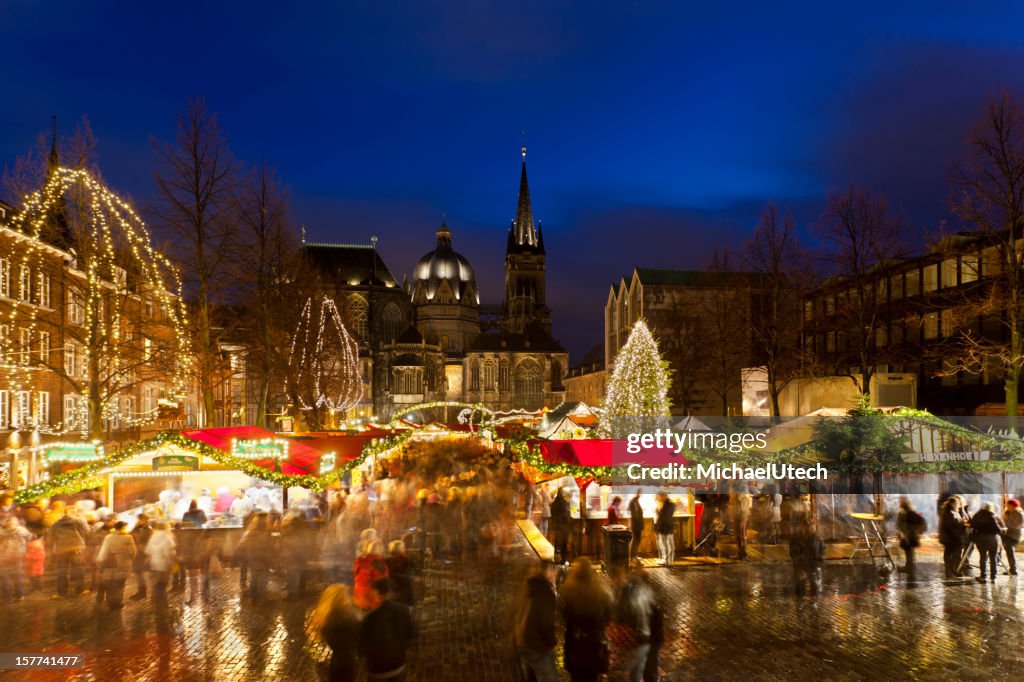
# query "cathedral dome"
(443, 269)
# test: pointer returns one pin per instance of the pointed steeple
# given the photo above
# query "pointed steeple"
(53, 162)
(525, 233)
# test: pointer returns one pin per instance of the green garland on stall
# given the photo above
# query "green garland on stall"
(475, 407)
(91, 474)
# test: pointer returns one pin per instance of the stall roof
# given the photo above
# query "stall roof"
(302, 458)
(591, 452)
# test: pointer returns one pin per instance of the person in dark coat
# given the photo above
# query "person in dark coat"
(400, 570)
(586, 603)
(386, 635)
(535, 626)
(561, 522)
(986, 528)
(952, 533)
(335, 622)
(636, 526)
(141, 534)
(910, 526)
(807, 552)
(665, 527)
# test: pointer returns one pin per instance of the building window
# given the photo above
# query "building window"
(358, 316)
(808, 310)
(24, 283)
(931, 277)
(489, 383)
(474, 376)
(5, 277)
(43, 289)
(913, 283)
(881, 337)
(43, 408)
(529, 385)
(930, 326)
(70, 359)
(5, 408)
(896, 286)
(44, 347)
(991, 261)
(970, 269)
(76, 309)
(504, 375)
(556, 374)
(949, 273)
(830, 305)
(25, 349)
(830, 342)
(22, 409)
(391, 323)
(947, 323)
(70, 411)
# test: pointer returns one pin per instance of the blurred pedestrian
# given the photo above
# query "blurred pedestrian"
(386, 635)
(160, 557)
(986, 528)
(141, 534)
(742, 504)
(67, 539)
(535, 626)
(369, 567)
(258, 552)
(544, 502)
(115, 559)
(807, 553)
(13, 546)
(952, 536)
(400, 570)
(665, 527)
(35, 562)
(633, 617)
(194, 517)
(636, 526)
(335, 622)
(586, 604)
(561, 522)
(613, 512)
(1013, 518)
(910, 525)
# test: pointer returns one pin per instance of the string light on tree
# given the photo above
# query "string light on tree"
(640, 382)
(324, 361)
(125, 314)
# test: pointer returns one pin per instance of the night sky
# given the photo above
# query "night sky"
(656, 130)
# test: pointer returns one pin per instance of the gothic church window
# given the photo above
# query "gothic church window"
(391, 323)
(358, 316)
(529, 385)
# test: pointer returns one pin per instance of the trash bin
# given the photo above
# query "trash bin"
(616, 546)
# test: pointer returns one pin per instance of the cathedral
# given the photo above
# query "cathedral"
(431, 339)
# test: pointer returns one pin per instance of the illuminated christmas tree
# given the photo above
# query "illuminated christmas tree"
(640, 382)
(325, 377)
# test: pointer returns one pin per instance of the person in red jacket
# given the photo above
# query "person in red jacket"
(369, 567)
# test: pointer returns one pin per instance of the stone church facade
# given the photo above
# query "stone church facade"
(431, 339)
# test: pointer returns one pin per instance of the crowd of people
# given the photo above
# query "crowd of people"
(990, 533)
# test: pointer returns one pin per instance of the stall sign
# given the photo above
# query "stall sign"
(175, 463)
(259, 448)
(73, 452)
(327, 463)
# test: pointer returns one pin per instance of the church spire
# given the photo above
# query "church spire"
(524, 232)
(54, 161)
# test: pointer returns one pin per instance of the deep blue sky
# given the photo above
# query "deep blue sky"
(656, 130)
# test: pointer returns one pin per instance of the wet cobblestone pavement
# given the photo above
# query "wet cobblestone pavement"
(725, 622)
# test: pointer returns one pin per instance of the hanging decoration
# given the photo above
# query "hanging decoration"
(324, 360)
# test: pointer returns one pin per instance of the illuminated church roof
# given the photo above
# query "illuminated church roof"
(443, 266)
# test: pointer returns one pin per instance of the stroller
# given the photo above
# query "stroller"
(707, 541)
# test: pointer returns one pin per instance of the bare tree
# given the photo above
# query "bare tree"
(988, 188)
(774, 252)
(269, 269)
(725, 311)
(199, 210)
(858, 235)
